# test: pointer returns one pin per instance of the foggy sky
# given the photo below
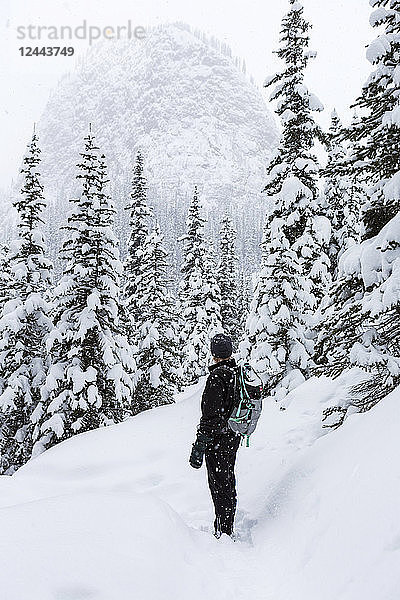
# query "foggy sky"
(340, 33)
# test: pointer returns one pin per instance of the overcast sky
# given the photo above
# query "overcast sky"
(340, 33)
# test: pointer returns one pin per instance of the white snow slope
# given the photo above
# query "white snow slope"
(118, 514)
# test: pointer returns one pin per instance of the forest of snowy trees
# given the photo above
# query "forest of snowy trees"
(326, 296)
(107, 339)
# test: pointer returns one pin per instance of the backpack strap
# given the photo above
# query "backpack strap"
(242, 384)
(237, 375)
(243, 438)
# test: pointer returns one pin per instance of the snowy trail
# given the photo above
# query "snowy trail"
(118, 513)
(70, 500)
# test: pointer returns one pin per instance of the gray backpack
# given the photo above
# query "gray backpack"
(247, 401)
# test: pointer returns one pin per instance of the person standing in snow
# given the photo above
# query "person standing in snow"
(215, 440)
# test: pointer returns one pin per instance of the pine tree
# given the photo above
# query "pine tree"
(275, 342)
(199, 297)
(90, 382)
(369, 336)
(340, 322)
(243, 303)
(341, 205)
(24, 322)
(376, 133)
(193, 244)
(294, 270)
(374, 137)
(227, 276)
(211, 292)
(358, 175)
(157, 354)
(139, 219)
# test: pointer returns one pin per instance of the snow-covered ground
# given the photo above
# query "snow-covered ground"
(118, 514)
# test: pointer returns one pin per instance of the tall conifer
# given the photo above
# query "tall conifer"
(90, 382)
(24, 322)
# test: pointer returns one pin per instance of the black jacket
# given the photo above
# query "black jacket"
(217, 399)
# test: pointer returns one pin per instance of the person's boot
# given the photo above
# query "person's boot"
(217, 534)
(217, 528)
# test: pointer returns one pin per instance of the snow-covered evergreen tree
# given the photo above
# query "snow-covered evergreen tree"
(24, 322)
(368, 273)
(199, 296)
(374, 154)
(275, 339)
(5, 275)
(243, 303)
(211, 291)
(90, 382)
(228, 281)
(356, 171)
(157, 355)
(340, 325)
(370, 339)
(294, 271)
(139, 222)
(341, 317)
(377, 131)
(341, 206)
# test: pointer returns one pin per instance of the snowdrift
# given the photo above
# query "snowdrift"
(118, 514)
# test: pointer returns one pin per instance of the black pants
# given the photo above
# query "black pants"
(220, 460)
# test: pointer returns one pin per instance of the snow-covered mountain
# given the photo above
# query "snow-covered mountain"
(188, 104)
(118, 513)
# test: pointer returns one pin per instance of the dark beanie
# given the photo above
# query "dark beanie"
(221, 346)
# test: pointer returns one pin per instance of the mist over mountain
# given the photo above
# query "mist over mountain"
(192, 110)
